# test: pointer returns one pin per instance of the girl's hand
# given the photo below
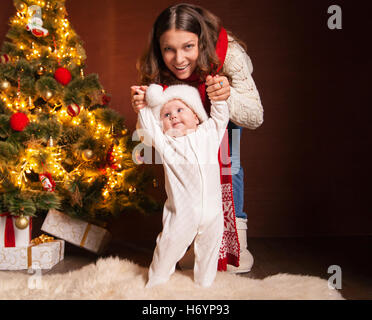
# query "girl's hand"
(218, 88)
(138, 100)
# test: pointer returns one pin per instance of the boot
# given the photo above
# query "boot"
(187, 261)
(246, 258)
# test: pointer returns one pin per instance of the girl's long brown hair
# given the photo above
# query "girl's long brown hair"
(185, 17)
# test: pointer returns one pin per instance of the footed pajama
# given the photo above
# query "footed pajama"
(193, 209)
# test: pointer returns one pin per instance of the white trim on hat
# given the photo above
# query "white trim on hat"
(156, 97)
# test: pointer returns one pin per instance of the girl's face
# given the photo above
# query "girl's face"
(180, 51)
(178, 119)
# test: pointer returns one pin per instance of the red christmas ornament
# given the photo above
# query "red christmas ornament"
(111, 159)
(62, 75)
(47, 181)
(4, 58)
(106, 99)
(73, 110)
(103, 170)
(19, 121)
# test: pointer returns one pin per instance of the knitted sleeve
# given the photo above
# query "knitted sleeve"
(244, 102)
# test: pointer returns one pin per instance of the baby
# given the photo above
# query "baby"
(188, 143)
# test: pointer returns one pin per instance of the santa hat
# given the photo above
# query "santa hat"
(157, 97)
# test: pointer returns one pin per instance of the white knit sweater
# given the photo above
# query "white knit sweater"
(244, 102)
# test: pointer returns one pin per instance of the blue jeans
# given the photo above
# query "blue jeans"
(237, 172)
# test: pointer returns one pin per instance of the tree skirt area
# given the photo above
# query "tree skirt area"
(114, 278)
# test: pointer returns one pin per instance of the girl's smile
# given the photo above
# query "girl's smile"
(180, 52)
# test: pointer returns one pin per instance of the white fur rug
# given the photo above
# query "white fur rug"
(114, 278)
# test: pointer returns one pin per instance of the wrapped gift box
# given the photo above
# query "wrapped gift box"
(10, 235)
(41, 256)
(75, 231)
(13, 258)
(46, 255)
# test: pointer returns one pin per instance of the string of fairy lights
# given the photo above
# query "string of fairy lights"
(18, 103)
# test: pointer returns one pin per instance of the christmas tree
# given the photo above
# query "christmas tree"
(61, 146)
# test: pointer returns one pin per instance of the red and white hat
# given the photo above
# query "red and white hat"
(157, 97)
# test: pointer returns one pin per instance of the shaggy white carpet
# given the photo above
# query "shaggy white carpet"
(114, 278)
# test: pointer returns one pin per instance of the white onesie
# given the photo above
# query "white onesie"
(193, 209)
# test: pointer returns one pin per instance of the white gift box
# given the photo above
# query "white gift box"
(41, 256)
(75, 231)
(46, 255)
(22, 236)
(13, 258)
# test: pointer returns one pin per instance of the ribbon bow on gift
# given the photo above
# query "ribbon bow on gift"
(42, 239)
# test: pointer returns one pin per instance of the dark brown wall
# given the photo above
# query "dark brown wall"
(307, 167)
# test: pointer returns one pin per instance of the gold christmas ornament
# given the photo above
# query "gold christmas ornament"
(4, 85)
(21, 222)
(87, 154)
(20, 6)
(48, 95)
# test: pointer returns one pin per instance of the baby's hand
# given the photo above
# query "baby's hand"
(138, 100)
(218, 88)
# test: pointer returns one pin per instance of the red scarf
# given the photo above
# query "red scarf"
(221, 49)
(230, 247)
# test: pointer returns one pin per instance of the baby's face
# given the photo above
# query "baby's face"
(178, 119)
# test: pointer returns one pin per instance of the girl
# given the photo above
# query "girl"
(189, 45)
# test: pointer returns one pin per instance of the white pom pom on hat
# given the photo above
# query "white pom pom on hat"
(156, 97)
